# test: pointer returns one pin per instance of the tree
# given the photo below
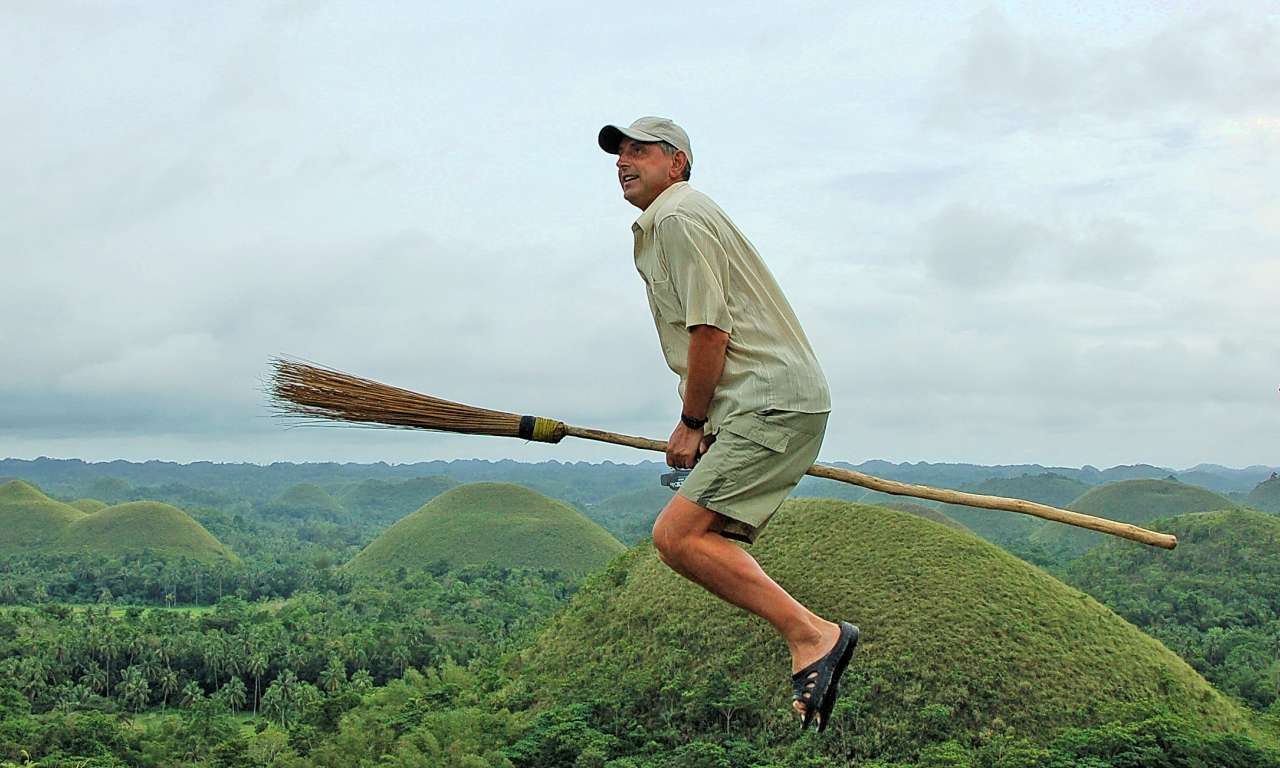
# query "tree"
(334, 675)
(168, 686)
(233, 694)
(257, 667)
(192, 694)
(134, 690)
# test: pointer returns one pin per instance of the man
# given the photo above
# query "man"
(755, 401)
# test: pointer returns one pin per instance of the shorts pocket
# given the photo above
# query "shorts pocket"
(754, 428)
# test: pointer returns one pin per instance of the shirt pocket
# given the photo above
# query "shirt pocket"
(665, 302)
(755, 428)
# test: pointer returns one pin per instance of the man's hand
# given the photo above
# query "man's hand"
(685, 446)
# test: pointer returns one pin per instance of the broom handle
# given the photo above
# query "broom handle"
(1124, 530)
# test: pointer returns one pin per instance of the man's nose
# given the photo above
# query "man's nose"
(619, 163)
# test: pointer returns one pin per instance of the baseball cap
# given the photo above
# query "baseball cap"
(646, 129)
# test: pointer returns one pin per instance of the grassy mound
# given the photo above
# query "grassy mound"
(1266, 496)
(143, 526)
(386, 501)
(29, 519)
(490, 523)
(305, 500)
(1129, 501)
(1010, 529)
(961, 640)
(921, 510)
(89, 506)
(1215, 600)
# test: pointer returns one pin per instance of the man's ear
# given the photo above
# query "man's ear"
(679, 168)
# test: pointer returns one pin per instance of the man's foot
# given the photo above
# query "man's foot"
(816, 685)
(804, 654)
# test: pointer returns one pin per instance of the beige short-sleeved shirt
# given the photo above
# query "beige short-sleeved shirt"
(700, 270)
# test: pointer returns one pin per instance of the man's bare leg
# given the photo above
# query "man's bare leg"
(686, 543)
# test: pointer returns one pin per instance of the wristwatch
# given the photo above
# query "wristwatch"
(691, 422)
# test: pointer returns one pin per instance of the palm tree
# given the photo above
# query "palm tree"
(168, 686)
(334, 675)
(361, 681)
(257, 667)
(191, 693)
(134, 689)
(94, 678)
(233, 694)
(281, 697)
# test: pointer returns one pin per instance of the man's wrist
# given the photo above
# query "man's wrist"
(692, 422)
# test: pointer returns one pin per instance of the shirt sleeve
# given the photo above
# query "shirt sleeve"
(698, 266)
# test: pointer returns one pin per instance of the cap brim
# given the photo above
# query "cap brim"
(611, 137)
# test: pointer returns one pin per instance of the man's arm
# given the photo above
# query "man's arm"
(707, 347)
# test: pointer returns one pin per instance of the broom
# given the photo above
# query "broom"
(301, 390)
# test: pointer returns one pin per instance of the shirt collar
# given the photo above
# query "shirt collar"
(645, 222)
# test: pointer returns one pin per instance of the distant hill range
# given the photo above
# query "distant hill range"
(490, 524)
(579, 483)
(33, 522)
(959, 637)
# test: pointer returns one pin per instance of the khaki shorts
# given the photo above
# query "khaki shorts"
(755, 461)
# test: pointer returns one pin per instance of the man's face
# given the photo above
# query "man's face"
(644, 171)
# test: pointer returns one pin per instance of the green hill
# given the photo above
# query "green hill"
(143, 526)
(89, 506)
(1129, 501)
(1215, 600)
(490, 523)
(1266, 496)
(1011, 529)
(921, 510)
(386, 501)
(961, 640)
(29, 519)
(305, 500)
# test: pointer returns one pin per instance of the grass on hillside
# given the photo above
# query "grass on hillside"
(139, 526)
(490, 524)
(960, 639)
(1128, 501)
(29, 519)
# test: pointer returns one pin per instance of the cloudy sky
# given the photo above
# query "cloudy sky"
(1013, 234)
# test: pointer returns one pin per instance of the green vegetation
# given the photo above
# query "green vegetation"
(971, 658)
(629, 516)
(142, 526)
(490, 524)
(305, 500)
(1215, 600)
(29, 519)
(1011, 530)
(386, 501)
(962, 642)
(1266, 496)
(920, 510)
(1129, 501)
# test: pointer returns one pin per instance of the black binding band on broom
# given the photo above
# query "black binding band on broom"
(303, 390)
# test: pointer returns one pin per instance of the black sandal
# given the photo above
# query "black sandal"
(817, 685)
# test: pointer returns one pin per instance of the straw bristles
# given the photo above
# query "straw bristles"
(309, 391)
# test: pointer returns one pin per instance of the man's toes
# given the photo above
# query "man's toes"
(799, 708)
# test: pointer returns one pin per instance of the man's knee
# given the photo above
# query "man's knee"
(680, 522)
(666, 539)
